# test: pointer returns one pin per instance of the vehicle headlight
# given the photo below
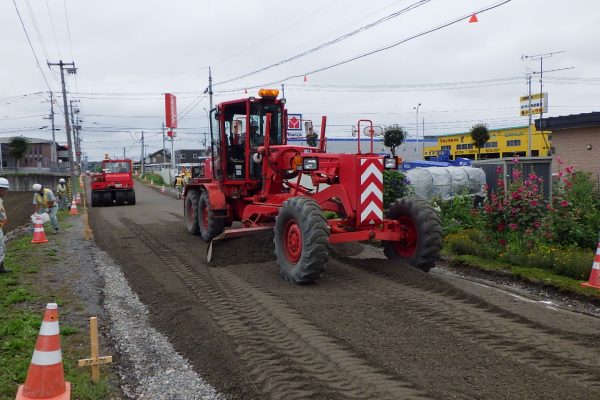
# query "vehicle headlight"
(310, 163)
(390, 163)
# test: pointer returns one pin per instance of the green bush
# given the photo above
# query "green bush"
(458, 214)
(395, 186)
(574, 263)
(157, 179)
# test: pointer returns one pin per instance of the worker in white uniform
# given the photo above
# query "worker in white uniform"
(4, 187)
(45, 201)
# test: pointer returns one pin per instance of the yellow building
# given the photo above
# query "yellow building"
(505, 142)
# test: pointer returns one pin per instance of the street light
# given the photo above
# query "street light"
(417, 125)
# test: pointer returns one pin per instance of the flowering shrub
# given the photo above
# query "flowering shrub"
(515, 212)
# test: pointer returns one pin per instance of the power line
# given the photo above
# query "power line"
(53, 29)
(331, 42)
(68, 29)
(369, 53)
(37, 30)
(31, 46)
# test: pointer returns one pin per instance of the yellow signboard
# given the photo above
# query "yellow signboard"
(539, 104)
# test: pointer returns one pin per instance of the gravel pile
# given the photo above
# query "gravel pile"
(149, 367)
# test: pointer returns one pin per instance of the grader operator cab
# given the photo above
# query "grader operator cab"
(114, 185)
(256, 178)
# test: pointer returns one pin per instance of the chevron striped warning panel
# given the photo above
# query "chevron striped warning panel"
(370, 210)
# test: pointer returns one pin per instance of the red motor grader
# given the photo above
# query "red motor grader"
(255, 177)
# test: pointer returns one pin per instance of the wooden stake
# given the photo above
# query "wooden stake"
(94, 361)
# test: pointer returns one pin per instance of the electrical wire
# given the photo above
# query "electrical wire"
(31, 46)
(375, 51)
(37, 30)
(53, 29)
(68, 29)
(329, 43)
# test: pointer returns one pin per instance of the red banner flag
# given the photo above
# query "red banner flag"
(170, 110)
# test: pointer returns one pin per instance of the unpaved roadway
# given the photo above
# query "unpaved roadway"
(368, 330)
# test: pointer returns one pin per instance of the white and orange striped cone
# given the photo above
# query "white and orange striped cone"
(73, 210)
(78, 198)
(46, 377)
(594, 280)
(39, 236)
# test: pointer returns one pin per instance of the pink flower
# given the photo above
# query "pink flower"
(501, 226)
(513, 227)
(564, 203)
(559, 161)
(537, 224)
(532, 176)
(502, 242)
(561, 174)
(569, 169)
(499, 169)
(533, 203)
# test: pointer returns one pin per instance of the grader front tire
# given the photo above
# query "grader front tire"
(301, 240)
(424, 230)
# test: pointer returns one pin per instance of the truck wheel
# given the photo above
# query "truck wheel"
(96, 199)
(131, 197)
(424, 228)
(301, 240)
(107, 198)
(192, 223)
(120, 197)
(208, 224)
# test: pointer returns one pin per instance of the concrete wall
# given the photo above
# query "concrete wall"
(23, 183)
(579, 147)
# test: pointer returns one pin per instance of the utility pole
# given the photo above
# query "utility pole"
(142, 158)
(536, 57)
(417, 126)
(53, 150)
(75, 129)
(209, 88)
(124, 156)
(423, 134)
(71, 71)
(283, 90)
(164, 150)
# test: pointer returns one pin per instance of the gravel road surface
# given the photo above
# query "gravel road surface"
(370, 329)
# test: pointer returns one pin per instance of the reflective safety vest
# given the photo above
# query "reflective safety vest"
(43, 200)
(178, 181)
(61, 188)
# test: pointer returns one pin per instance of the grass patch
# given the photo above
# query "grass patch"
(21, 311)
(527, 273)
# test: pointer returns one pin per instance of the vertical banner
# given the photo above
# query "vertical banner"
(170, 110)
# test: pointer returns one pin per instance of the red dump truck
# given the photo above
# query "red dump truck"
(114, 185)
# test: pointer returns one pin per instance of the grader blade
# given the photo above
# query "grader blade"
(231, 234)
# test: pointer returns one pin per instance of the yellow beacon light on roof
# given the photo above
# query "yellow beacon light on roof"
(268, 92)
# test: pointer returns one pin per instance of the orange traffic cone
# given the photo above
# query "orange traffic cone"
(78, 199)
(594, 280)
(46, 377)
(73, 210)
(473, 18)
(39, 236)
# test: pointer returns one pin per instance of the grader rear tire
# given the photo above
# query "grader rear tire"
(301, 240)
(190, 210)
(131, 197)
(424, 228)
(107, 198)
(120, 197)
(208, 224)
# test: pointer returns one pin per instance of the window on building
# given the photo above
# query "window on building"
(464, 146)
(490, 145)
(182, 156)
(449, 148)
(513, 143)
(194, 156)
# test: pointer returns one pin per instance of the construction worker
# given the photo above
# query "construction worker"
(61, 191)
(187, 177)
(4, 187)
(45, 201)
(179, 185)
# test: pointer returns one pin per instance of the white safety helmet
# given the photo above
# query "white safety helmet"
(36, 187)
(4, 183)
(61, 180)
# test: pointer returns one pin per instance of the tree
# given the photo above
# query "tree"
(480, 136)
(17, 147)
(393, 137)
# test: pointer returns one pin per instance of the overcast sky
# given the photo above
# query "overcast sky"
(129, 52)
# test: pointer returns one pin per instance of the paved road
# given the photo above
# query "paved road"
(368, 330)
